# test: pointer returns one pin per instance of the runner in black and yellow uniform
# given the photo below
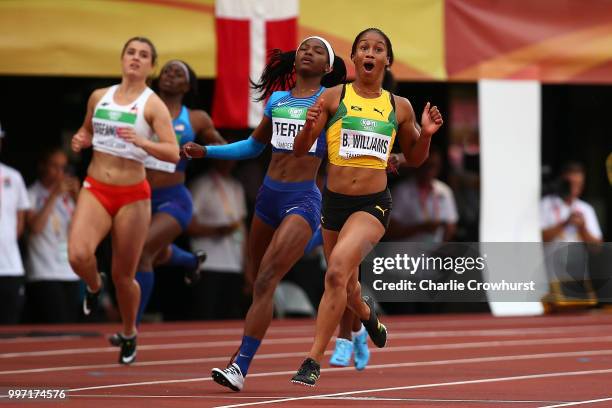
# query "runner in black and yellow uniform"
(362, 122)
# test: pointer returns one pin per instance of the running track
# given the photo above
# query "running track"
(429, 361)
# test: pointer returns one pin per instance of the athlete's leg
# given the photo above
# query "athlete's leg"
(129, 233)
(346, 324)
(260, 237)
(285, 249)
(90, 224)
(163, 230)
(358, 236)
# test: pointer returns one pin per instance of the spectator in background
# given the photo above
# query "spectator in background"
(13, 206)
(218, 228)
(464, 178)
(564, 216)
(424, 209)
(53, 289)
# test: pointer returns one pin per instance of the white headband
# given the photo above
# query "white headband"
(330, 51)
(182, 65)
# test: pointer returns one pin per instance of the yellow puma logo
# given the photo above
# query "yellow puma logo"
(378, 207)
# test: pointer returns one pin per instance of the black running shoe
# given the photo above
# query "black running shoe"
(127, 355)
(308, 374)
(376, 330)
(192, 276)
(115, 339)
(90, 302)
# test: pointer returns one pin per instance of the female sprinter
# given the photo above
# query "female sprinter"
(120, 124)
(171, 201)
(288, 206)
(362, 121)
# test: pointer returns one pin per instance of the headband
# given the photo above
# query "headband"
(182, 65)
(330, 51)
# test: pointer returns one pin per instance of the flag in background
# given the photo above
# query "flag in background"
(246, 31)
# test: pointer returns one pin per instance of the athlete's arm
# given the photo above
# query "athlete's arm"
(204, 127)
(316, 118)
(157, 115)
(415, 144)
(241, 150)
(82, 138)
(21, 216)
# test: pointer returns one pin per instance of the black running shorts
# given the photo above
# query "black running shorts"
(337, 208)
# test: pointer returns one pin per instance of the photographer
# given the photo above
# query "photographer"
(566, 218)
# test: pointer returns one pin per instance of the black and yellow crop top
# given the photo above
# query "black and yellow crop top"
(362, 132)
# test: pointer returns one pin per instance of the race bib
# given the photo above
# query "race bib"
(365, 137)
(286, 124)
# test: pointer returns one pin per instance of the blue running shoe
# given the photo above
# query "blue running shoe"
(362, 352)
(342, 353)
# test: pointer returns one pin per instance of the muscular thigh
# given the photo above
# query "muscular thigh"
(259, 239)
(129, 231)
(288, 244)
(90, 222)
(163, 230)
(358, 236)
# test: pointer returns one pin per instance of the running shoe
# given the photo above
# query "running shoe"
(342, 353)
(127, 355)
(90, 302)
(192, 276)
(308, 374)
(376, 330)
(362, 352)
(230, 377)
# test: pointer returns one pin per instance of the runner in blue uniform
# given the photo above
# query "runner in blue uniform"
(288, 206)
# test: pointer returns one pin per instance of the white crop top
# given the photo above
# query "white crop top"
(108, 116)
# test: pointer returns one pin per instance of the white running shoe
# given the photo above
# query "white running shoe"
(230, 377)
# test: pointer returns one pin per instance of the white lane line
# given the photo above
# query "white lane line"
(492, 401)
(433, 385)
(416, 324)
(413, 348)
(475, 360)
(373, 399)
(308, 340)
(569, 404)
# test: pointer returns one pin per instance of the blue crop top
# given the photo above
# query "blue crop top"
(288, 115)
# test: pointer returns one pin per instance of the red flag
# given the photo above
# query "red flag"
(246, 31)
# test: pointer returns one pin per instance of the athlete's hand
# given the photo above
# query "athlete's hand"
(394, 162)
(431, 120)
(191, 150)
(129, 135)
(80, 140)
(313, 113)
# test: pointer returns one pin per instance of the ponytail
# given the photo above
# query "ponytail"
(279, 73)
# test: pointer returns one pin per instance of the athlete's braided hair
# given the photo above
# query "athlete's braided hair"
(279, 74)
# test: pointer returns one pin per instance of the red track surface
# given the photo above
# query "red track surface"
(429, 361)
